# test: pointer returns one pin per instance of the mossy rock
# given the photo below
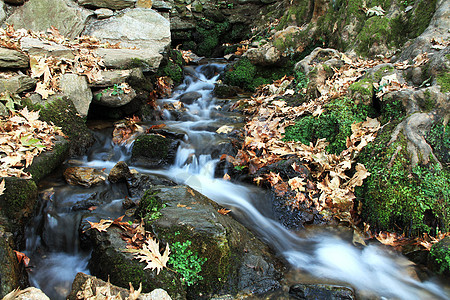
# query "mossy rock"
(18, 202)
(10, 271)
(154, 150)
(440, 256)
(227, 246)
(48, 161)
(397, 197)
(60, 111)
(172, 67)
(110, 262)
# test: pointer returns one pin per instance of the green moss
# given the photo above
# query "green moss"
(375, 31)
(149, 206)
(209, 34)
(396, 197)
(364, 87)
(295, 15)
(241, 74)
(392, 109)
(172, 67)
(439, 140)
(440, 255)
(383, 71)
(334, 123)
(443, 80)
(150, 145)
(19, 198)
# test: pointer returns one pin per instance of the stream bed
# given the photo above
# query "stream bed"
(53, 236)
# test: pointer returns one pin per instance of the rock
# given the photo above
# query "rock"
(47, 161)
(30, 293)
(232, 252)
(4, 112)
(139, 183)
(88, 286)
(66, 16)
(76, 88)
(141, 28)
(161, 5)
(37, 47)
(10, 271)
(144, 3)
(103, 13)
(119, 172)
(114, 97)
(130, 58)
(109, 262)
(16, 84)
(84, 176)
(110, 4)
(10, 58)
(265, 55)
(112, 77)
(225, 91)
(2, 11)
(321, 291)
(154, 151)
(190, 97)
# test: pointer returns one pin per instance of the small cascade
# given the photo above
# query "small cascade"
(54, 246)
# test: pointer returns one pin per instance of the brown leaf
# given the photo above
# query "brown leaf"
(103, 225)
(21, 257)
(151, 256)
(223, 211)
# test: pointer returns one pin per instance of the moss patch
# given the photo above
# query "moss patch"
(149, 207)
(151, 146)
(440, 256)
(334, 123)
(396, 197)
(439, 140)
(19, 198)
(172, 67)
(444, 81)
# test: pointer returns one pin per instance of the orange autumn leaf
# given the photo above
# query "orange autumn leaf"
(21, 257)
(223, 211)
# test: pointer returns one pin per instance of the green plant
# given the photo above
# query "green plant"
(149, 206)
(186, 263)
(440, 253)
(300, 81)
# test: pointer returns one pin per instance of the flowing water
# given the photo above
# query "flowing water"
(53, 237)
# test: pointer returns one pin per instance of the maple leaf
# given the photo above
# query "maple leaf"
(21, 257)
(103, 225)
(150, 254)
(223, 211)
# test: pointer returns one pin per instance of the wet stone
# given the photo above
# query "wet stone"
(119, 172)
(190, 97)
(321, 291)
(84, 176)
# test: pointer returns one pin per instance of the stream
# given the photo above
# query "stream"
(53, 238)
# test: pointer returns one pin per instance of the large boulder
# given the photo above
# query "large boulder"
(10, 58)
(36, 47)
(130, 58)
(76, 88)
(141, 28)
(66, 16)
(154, 150)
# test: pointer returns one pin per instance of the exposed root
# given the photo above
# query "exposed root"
(414, 128)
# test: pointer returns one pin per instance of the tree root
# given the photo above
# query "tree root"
(414, 128)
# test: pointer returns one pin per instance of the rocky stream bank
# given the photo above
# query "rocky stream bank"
(327, 65)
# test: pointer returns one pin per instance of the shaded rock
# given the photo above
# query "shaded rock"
(88, 286)
(10, 271)
(110, 4)
(103, 13)
(130, 58)
(3, 110)
(16, 84)
(162, 5)
(30, 293)
(236, 259)
(83, 176)
(321, 291)
(111, 77)
(139, 183)
(37, 47)
(10, 58)
(76, 88)
(190, 97)
(114, 97)
(154, 151)
(119, 172)
(225, 91)
(68, 17)
(109, 261)
(318, 55)
(2, 11)
(265, 55)
(141, 28)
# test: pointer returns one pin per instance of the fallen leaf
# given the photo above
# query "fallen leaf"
(223, 211)
(103, 225)
(2, 187)
(151, 256)
(225, 177)
(21, 257)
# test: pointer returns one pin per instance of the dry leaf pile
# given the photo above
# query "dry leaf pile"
(22, 137)
(90, 291)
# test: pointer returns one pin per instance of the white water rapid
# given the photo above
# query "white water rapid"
(322, 255)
